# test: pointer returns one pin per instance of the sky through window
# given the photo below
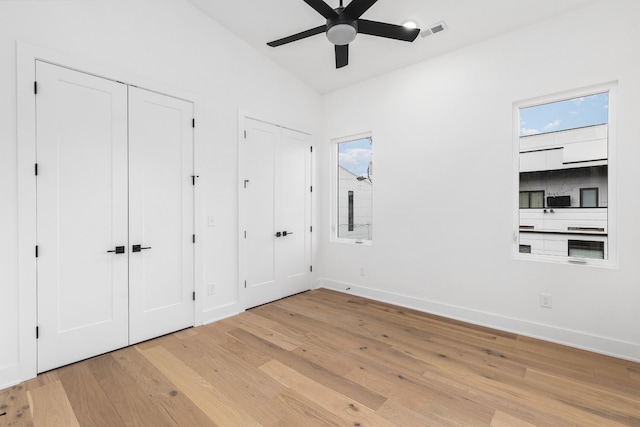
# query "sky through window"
(355, 156)
(563, 115)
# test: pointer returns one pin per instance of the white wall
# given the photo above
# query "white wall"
(169, 42)
(444, 133)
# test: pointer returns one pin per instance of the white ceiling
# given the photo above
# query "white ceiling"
(312, 59)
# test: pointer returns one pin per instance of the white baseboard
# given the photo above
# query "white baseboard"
(220, 313)
(597, 344)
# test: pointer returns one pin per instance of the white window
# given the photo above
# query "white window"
(564, 177)
(353, 189)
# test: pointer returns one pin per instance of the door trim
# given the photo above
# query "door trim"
(25, 366)
(243, 115)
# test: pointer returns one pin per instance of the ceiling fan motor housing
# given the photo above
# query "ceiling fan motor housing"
(341, 30)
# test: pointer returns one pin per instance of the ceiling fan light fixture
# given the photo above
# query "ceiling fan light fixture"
(410, 24)
(341, 34)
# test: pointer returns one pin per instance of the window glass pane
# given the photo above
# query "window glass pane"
(586, 249)
(563, 168)
(589, 197)
(355, 187)
(536, 199)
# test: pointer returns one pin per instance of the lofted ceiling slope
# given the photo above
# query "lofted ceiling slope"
(312, 59)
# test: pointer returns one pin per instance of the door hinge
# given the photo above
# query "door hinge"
(35, 88)
(311, 268)
(36, 169)
(37, 332)
(245, 284)
(245, 234)
(194, 238)
(310, 229)
(37, 251)
(311, 148)
(193, 123)
(245, 134)
(194, 296)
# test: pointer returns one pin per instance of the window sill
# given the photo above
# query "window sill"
(586, 262)
(352, 241)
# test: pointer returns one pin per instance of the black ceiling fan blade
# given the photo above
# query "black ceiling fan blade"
(390, 31)
(357, 7)
(342, 55)
(322, 8)
(299, 36)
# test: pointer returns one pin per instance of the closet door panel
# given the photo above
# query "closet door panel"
(161, 214)
(82, 214)
(275, 212)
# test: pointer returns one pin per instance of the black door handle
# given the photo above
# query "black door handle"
(278, 234)
(138, 248)
(118, 250)
(286, 233)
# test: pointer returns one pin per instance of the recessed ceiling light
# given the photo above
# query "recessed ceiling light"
(410, 24)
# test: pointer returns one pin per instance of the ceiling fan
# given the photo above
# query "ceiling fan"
(344, 23)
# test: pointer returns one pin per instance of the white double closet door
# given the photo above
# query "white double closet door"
(114, 215)
(275, 212)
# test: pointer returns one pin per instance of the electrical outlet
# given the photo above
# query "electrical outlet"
(545, 300)
(212, 288)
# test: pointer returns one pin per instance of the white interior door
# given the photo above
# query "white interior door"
(275, 197)
(294, 249)
(161, 214)
(82, 215)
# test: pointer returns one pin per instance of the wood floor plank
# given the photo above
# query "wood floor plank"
(325, 358)
(301, 411)
(162, 392)
(242, 383)
(129, 400)
(590, 398)
(416, 395)
(502, 419)
(237, 348)
(90, 403)
(51, 406)
(527, 403)
(402, 416)
(323, 376)
(206, 396)
(260, 327)
(348, 409)
(15, 409)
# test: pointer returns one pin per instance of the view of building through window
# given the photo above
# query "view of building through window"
(355, 184)
(563, 177)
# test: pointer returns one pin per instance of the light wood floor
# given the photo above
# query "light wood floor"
(329, 359)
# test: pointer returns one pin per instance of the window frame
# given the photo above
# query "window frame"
(334, 214)
(612, 235)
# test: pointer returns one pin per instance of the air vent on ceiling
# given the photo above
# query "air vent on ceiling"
(435, 28)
